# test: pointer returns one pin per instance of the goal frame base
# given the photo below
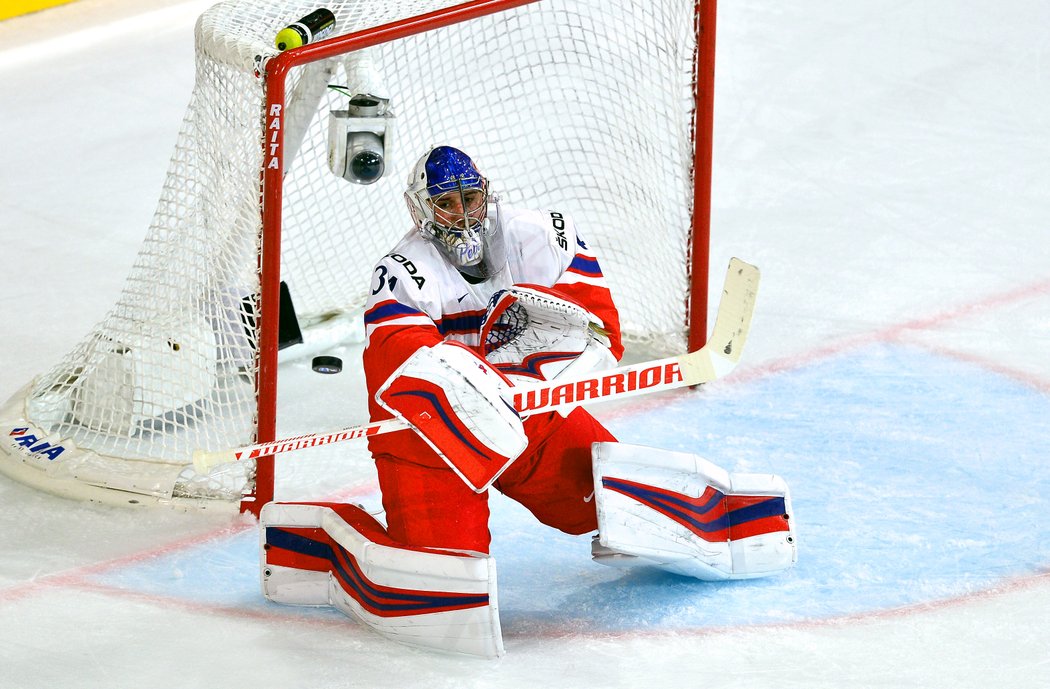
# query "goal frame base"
(75, 474)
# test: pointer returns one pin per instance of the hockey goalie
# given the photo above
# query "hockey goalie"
(475, 299)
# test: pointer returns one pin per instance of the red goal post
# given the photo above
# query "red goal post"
(276, 75)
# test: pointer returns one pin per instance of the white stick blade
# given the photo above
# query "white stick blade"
(734, 312)
(726, 344)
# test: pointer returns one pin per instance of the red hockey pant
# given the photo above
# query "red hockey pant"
(432, 506)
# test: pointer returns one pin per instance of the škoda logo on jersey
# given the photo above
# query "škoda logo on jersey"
(597, 387)
(30, 441)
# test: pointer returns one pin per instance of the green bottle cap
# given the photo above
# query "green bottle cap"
(287, 39)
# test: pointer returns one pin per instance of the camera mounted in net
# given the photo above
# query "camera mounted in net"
(359, 138)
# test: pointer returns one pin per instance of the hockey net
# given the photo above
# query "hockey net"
(586, 106)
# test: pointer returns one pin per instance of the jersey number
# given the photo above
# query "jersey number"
(383, 281)
(392, 281)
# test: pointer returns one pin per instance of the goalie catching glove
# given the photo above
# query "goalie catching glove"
(532, 332)
(452, 399)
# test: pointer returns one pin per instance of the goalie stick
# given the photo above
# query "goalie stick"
(715, 359)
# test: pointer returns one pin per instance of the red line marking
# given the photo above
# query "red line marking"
(1032, 380)
(996, 590)
(894, 333)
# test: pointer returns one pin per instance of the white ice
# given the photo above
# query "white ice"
(885, 163)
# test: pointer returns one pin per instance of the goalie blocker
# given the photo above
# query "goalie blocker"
(453, 400)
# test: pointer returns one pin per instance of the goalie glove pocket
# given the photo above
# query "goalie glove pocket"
(535, 333)
(453, 400)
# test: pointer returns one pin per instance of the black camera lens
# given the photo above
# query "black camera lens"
(367, 167)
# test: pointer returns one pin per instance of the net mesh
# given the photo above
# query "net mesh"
(584, 106)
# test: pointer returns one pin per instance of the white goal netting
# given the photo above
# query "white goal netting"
(581, 105)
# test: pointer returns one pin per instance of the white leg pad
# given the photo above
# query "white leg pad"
(681, 513)
(338, 555)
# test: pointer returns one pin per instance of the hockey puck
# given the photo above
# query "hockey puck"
(327, 364)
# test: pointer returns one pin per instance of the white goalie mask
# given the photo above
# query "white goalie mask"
(449, 202)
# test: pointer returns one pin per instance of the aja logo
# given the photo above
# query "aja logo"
(33, 444)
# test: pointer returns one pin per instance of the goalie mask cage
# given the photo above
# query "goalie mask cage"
(600, 108)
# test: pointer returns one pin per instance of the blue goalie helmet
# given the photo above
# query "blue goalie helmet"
(448, 199)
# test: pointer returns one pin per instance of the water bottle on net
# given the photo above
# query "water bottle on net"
(316, 26)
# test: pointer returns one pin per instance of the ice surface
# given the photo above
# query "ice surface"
(884, 163)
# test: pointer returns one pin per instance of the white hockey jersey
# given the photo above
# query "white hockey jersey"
(418, 299)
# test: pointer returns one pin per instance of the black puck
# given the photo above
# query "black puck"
(327, 364)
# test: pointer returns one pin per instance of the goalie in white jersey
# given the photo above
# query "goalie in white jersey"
(473, 299)
(447, 281)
